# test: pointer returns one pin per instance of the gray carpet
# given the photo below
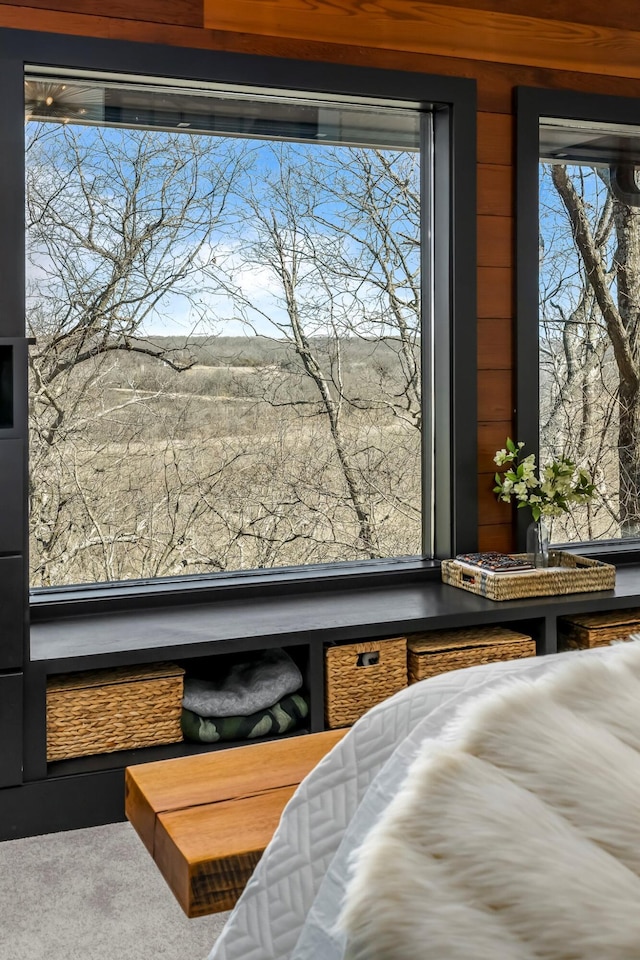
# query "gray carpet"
(93, 895)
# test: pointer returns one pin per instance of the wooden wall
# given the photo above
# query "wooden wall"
(581, 46)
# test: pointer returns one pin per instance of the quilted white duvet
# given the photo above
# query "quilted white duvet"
(289, 909)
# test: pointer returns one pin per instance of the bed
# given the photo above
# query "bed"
(290, 908)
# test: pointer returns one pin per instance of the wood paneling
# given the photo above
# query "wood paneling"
(495, 190)
(494, 395)
(186, 13)
(490, 509)
(495, 138)
(495, 80)
(496, 536)
(495, 241)
(619, 13)
(444, 30)
(491, 437)
(495, 295)
(495, 345)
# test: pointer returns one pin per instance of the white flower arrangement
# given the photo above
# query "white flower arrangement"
(549, 492)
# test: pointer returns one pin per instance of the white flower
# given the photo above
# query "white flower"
(549, 490)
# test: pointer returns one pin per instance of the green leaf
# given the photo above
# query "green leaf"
(511, 447)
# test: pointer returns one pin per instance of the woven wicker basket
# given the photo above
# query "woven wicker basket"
(100, 711)
(352, 686)
(597, 629)
(439, 651)
(567, 573)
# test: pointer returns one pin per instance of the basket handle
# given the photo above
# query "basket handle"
(368, 659)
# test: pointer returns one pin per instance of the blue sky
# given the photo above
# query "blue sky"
(175, 314)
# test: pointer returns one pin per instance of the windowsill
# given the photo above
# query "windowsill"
(312, 617)
(87, 599)
(617, 552)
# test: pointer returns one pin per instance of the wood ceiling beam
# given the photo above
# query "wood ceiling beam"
(433, 28)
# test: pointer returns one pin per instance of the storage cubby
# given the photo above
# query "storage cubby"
(245, 696)
(440, 651)
(585, 631)
(104, 711)
(360, 675)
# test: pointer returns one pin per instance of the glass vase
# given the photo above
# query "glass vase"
(538, 543)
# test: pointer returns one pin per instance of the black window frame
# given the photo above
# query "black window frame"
(453, 457)
(533, 103)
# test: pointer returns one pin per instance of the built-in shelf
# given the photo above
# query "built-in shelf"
(90, 790)
(102, 640)
(76, 766)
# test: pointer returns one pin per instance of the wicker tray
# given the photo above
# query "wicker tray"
(568, 574)
(100, 711)
(439, 651)
(597, 629)
(352, 687)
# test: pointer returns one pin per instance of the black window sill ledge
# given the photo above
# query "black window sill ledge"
(87, 599)
(314, 618)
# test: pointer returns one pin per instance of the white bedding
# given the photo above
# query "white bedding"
(290, 906)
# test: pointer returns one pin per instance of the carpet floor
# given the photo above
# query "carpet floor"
(93, 895)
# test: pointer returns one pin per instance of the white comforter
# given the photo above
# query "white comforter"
(289, 909)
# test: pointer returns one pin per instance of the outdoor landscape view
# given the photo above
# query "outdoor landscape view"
(226, 368)
(590, 337)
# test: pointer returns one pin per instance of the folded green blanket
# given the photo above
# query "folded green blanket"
(283, 716)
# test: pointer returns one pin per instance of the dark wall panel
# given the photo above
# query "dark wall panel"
(10, 729)
(11, 612)
(12, 496)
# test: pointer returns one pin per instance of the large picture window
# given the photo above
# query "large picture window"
(224, 289)
(588, 328)
(248, 289)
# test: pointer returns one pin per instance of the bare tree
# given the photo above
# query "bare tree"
(156, 455)
(120, 227)
(609, 250)
(337, 233)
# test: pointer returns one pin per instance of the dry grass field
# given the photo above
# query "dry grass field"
(230, 464)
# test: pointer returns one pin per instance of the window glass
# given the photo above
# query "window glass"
(224, 292)
(590, 318)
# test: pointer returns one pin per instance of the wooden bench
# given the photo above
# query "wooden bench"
(206, 819)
